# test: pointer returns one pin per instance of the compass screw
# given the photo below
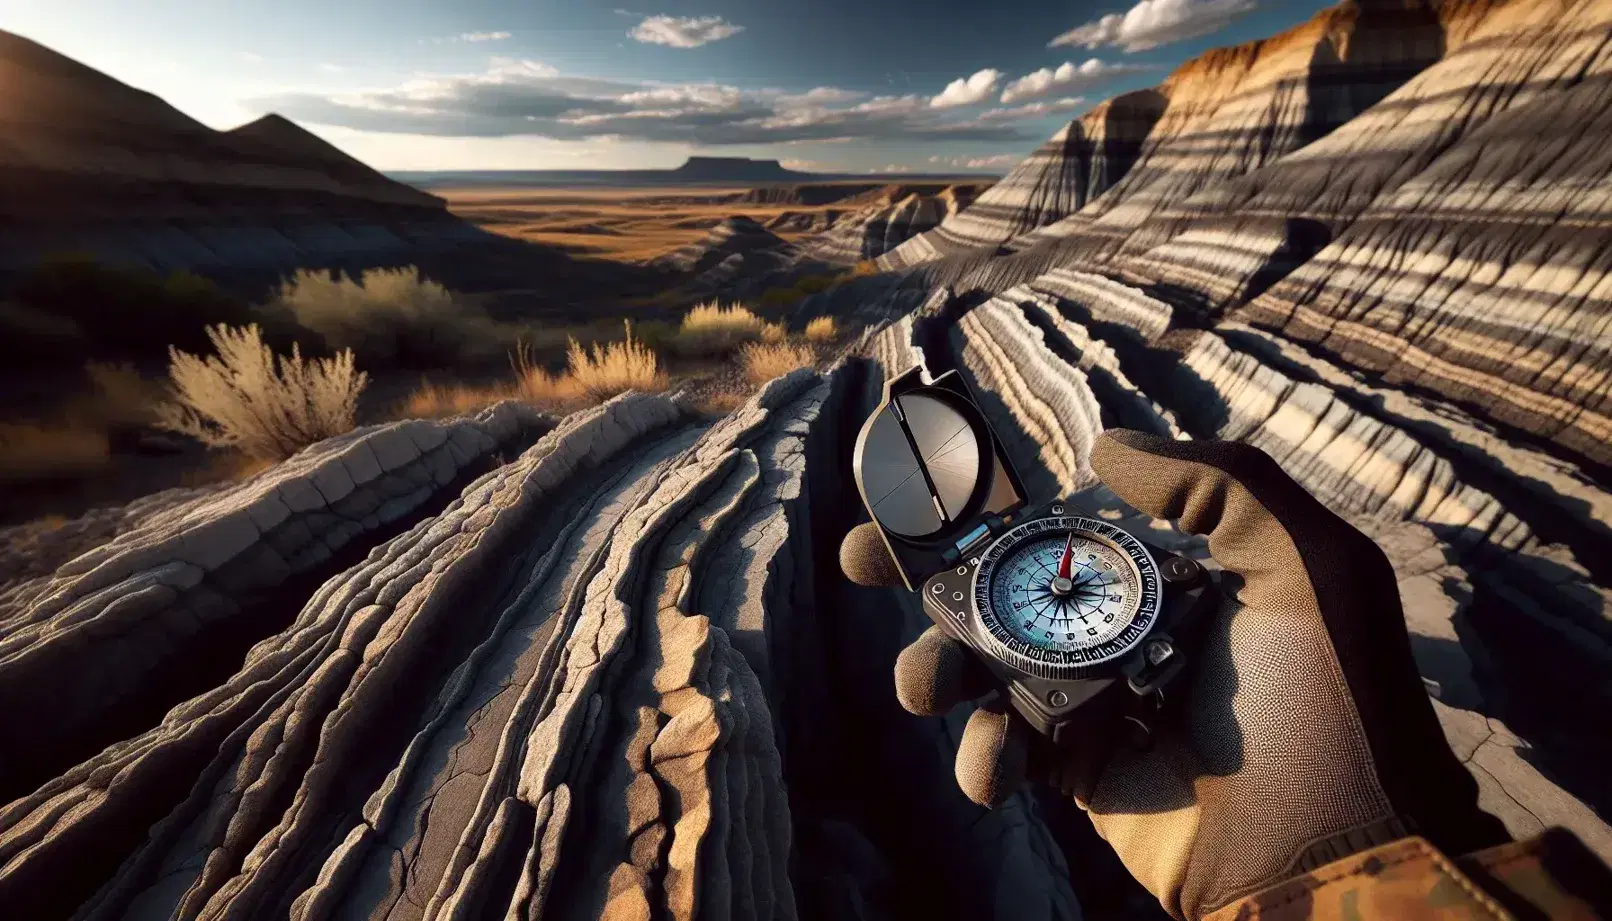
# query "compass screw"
(1157, 651)
(1181, 569)
(1058, 699)
(1057, 510)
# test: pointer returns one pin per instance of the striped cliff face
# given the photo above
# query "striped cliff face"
(1234, 110)
(1078, 164)
(886, 224)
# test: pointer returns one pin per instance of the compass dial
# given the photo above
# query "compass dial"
(1067, 591)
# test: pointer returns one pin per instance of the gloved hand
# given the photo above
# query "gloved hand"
(1306, 733)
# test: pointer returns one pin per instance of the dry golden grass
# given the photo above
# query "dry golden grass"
(225, 467)
(593, 374)
(439, 401)
(722, 402)
(602, 371)
(712, 330)
(623, 225)
(774, 333)
(821, 329)
(764, 362)
(265, 405)
(52, 452)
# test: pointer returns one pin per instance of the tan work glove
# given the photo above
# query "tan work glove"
(1305, 734)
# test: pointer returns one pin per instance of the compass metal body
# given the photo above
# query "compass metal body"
(1065, 609)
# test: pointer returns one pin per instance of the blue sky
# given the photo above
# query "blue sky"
(897, 85)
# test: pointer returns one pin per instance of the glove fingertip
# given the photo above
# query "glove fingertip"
(866, 560)
(933, 675)
(993, 757)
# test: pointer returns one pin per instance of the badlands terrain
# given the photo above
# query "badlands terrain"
(513, 665)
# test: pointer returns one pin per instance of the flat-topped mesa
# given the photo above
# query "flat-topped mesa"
(1233, 110)
(714, 169)
(1078, 164)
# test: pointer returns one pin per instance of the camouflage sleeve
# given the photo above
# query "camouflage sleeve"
(1552, 876)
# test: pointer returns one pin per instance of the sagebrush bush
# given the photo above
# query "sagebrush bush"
(821, 329)
(602, 371)
(265, 405)
(391, 317)
(711, 330)
(118, 311)
(764, 362)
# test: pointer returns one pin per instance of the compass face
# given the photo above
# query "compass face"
(1066, 592)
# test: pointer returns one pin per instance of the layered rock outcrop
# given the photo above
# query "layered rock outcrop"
(884, 223)
(1078, 164)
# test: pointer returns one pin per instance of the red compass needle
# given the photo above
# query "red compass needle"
(1068, 556)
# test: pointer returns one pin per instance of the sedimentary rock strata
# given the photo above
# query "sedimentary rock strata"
(884, 224)
(1077, 165)
(735, 236)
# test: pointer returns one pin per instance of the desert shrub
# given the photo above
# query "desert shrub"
(813, 284)
(32, 337)
(127, 312)
(51, 453)
(122, 395)
(657, 334)
(266, 405)
(821, 329)
(602, 371)
(711, 330)
(774, 333)
(391, 317)
(763, 362)
(774, 298)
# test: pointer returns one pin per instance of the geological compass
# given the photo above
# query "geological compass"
(1082, 621)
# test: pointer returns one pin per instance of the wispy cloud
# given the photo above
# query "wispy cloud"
(684, 31)
(993, 162)
(968, 91)
(1030, 110)
(515, 98)
(333, 68)
(482, 36)
(1065, 78)
(248, 57)
(1152, 23)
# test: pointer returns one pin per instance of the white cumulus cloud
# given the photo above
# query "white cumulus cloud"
(1066, 77)
(684, 31)
(1152, 23)
(968, 91)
